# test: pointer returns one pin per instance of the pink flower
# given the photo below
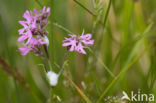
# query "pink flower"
(42, 17)
(25, 50)
(32, 34)
(76, 42)
(35, 46)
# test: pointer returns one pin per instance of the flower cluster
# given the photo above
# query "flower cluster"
(76, 42)
(33, 35)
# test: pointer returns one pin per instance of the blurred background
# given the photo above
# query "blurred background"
(120, 40)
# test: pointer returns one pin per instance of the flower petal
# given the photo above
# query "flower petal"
(29, 37)
(23, 23)
(48, 9)
(80, 49)
(24, 51)
(86, 36)
(35, 11)
(88, 42)
(21, 31)
(67, 44)
(34, 25)
(22, 38)
(44, 9)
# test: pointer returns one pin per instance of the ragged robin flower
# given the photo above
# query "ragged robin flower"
(33, 34)
(78, 43)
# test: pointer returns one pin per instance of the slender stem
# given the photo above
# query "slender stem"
(101, 62)
(61, 69)
(64, 58)
(39, 3)
(121, 73)
(46, 51)
(90, 12)
(107, 12)
(84, 8)
(61, 27)
(104, 24)
(49, 63)
(51, 95)
(47, 55)
(45, 47)
(44, 62)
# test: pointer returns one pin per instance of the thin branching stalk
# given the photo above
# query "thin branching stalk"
(90, 12)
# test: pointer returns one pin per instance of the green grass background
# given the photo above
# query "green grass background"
(121, 30)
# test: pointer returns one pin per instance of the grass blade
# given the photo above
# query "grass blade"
(127, 66)
(90, 12)
(121, 73)
(63, 28)
(84, 8)
(39, 3)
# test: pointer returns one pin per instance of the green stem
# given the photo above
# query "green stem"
(39, 3)
(101, 62)
(107, 12)
(61, 27)
(47, 55)
(51, 95)
(104, 24)
(63, 61)
(90, 12)
(84, 8)
(44, 63)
